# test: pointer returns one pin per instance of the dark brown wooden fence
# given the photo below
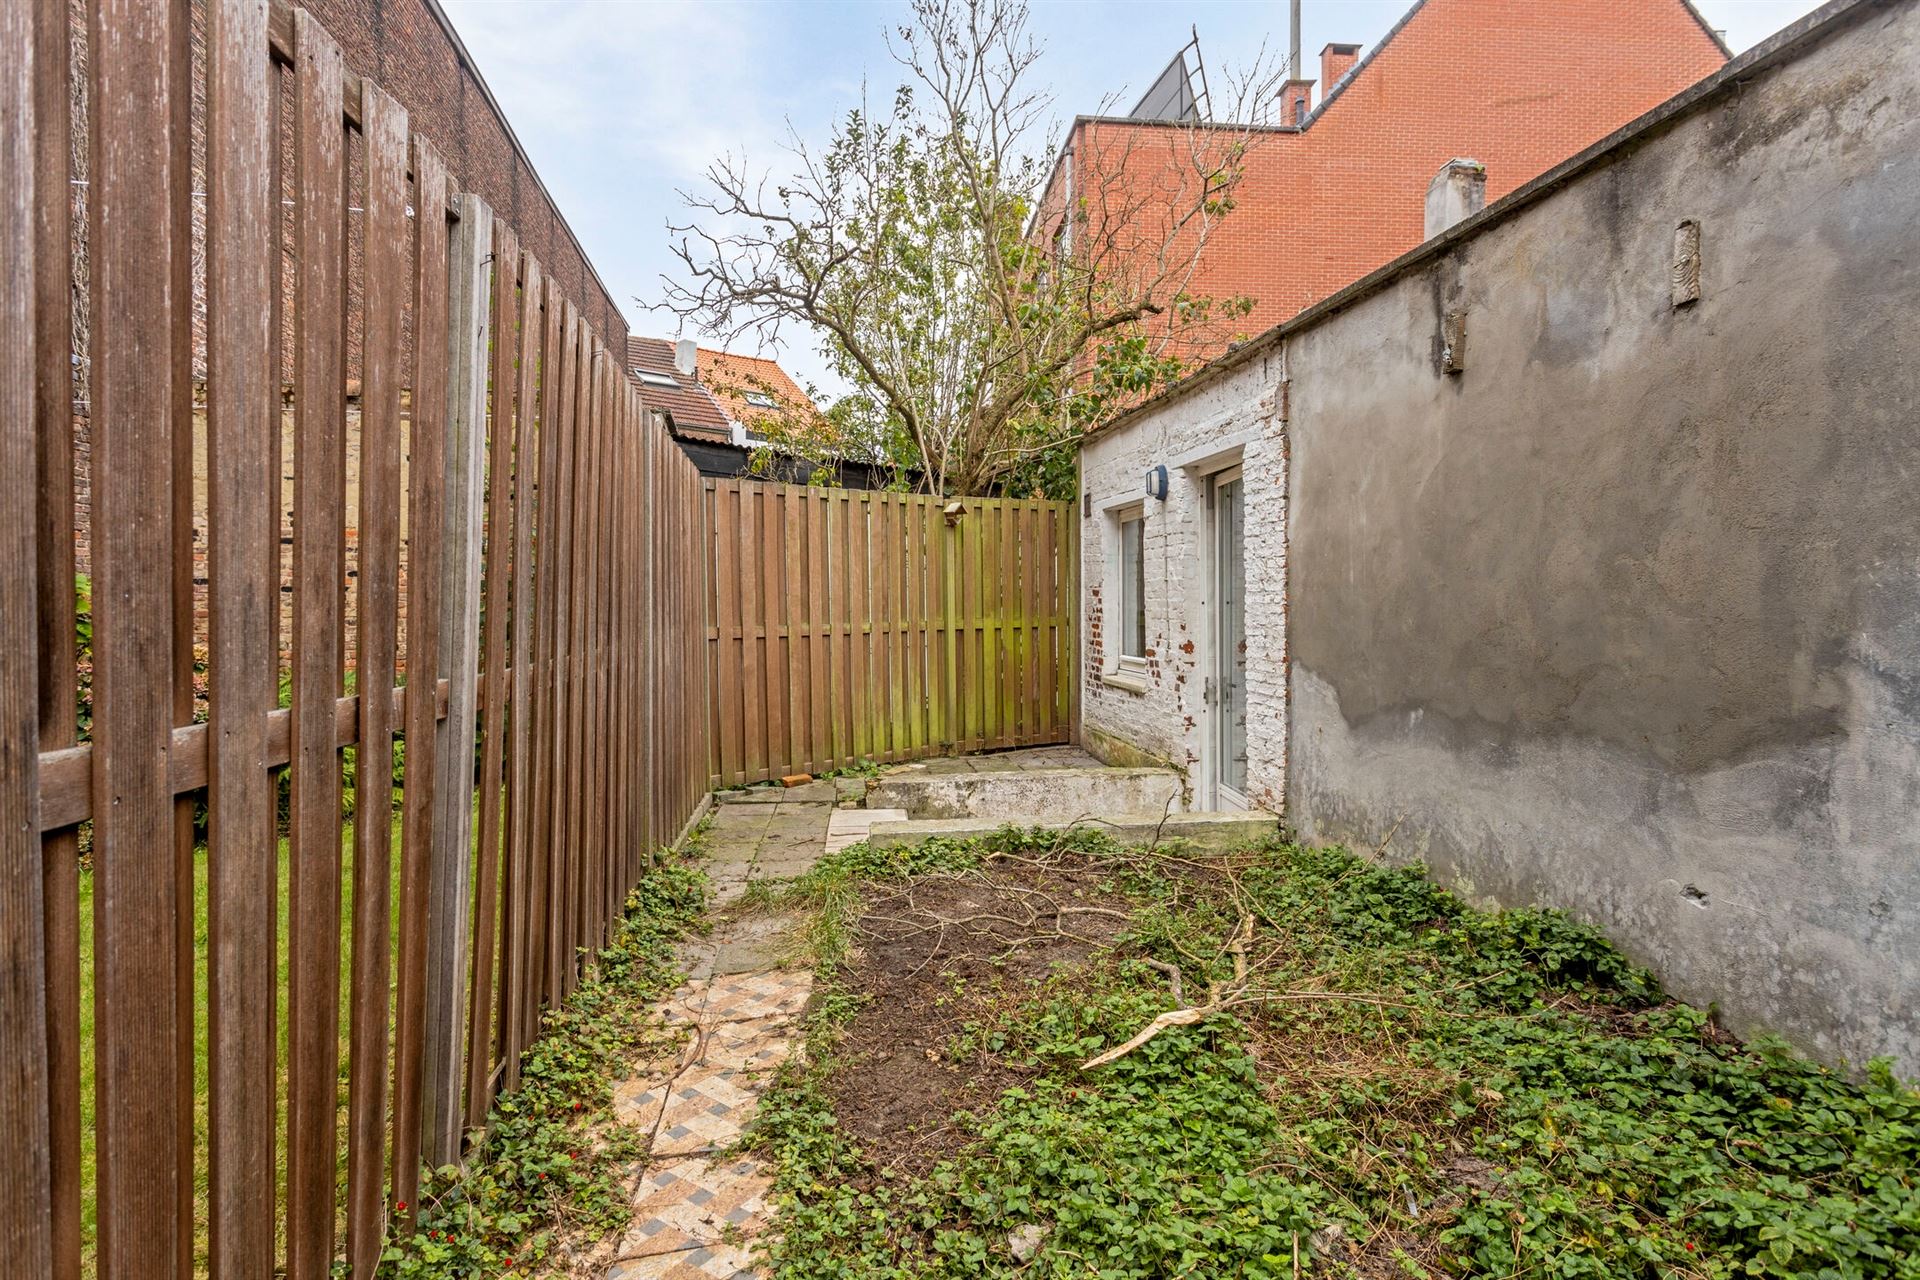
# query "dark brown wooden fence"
(846, 626)
(475, 516)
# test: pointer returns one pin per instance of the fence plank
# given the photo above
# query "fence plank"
(729, 661)
(384, 218)
(796, 614)
(773, 621)
(913, 646)
(1050, 626)
(48, 131)
(242, 853)
(496, 582)
(975, 527)
(561, 777)
(26, 1194)
(319, 545)
(179, 108)
(426, 514)
(753, 622)
(518, 917)
(136, 892)
(541, 978)
(883, 567)
(450, 914)
(932, 613)
(606, 879)
(580, 486)
(819, 695)
(594, 847)
(580, 489)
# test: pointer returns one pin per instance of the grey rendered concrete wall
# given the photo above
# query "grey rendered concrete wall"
(1161, 715)
(1625, 617)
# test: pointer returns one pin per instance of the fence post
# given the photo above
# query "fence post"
(449, 914)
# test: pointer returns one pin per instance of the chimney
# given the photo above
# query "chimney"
(1456, 193)
(1296, 100)
(1335, 61)
(1293, 40)
(686, 358)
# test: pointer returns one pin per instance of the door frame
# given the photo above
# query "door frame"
(1215, 793)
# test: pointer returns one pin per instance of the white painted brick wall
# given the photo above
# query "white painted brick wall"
(1169, 720)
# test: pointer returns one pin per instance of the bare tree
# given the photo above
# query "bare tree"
(985, 300)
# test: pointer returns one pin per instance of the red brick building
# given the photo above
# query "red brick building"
(1338, 187)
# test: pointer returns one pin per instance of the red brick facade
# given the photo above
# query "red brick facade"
(1518, 85)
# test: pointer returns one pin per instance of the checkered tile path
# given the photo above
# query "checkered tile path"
(683, 1204)
(696, 1209)
(705, 1262)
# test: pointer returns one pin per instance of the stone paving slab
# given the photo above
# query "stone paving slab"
(753, 944)
(820, 790)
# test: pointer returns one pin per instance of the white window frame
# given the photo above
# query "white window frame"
(1126, 670)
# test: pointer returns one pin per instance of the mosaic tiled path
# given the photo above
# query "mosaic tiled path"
(697, 1207)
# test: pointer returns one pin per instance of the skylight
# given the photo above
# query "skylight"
(654, 379)
(759, 399)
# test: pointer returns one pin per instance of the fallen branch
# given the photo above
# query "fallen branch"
(1173, 976)
(1231, 999)
(1174, 1018)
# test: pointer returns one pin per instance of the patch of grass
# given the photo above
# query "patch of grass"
(88, 1153)
(1403, 1086)
(552, 1157)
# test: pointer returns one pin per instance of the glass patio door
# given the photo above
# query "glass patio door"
(1230, 640)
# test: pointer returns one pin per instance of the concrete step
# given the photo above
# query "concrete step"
(1218, 831)
(850, 826)
(1028, 796)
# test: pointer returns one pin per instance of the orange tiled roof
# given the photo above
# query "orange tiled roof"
(695, 411)
(733, 378)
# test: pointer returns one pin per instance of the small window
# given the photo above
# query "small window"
(759, 400)
(1133, 586)
(652, 379)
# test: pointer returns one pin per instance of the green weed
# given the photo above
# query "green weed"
(1410, 1086)
(550, 1155)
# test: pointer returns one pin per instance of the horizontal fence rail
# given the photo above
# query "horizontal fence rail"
(344, 634)
(846, 626)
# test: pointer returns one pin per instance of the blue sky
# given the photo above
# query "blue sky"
(622, 103)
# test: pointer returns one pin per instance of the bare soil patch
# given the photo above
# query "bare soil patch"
(938, 953)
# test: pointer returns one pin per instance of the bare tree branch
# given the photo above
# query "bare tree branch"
(986, 302)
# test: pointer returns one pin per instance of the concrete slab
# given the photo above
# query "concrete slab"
(1207, 830)
(1049, 794)
(740, 817)
(750, 945)
(850, 826)
(759, 793)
